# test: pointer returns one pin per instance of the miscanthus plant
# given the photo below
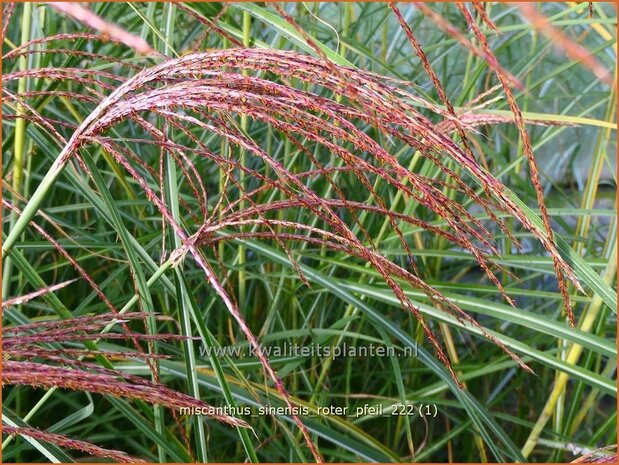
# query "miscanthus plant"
(188, 186)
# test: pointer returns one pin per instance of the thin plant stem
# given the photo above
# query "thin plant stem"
(19, 154)
(573, 354)
(242, 256)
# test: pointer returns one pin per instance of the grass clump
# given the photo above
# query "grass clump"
(191, 183)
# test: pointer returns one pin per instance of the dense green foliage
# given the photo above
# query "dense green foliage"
(105, 233)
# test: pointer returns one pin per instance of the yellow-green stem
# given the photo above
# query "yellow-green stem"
(582, 228)
(19, 155)
(573, 355)
(242, 256)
